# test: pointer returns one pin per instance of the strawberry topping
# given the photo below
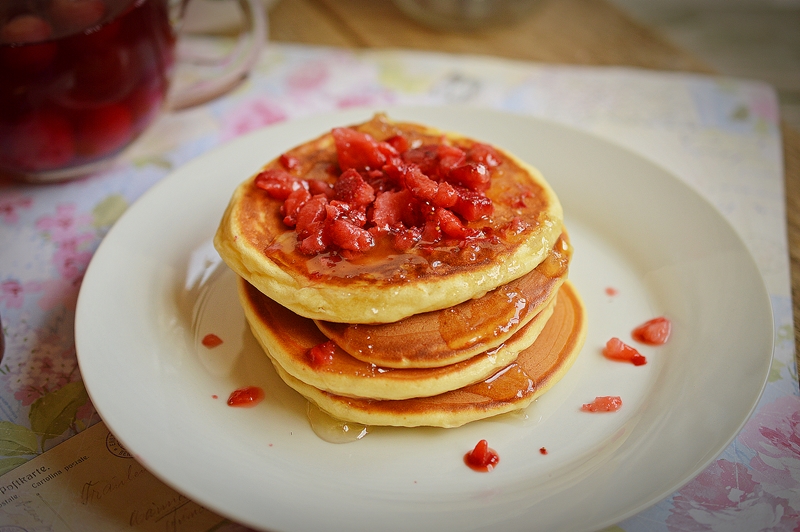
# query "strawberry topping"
(616, 349)
(607, 403)
(322, 354)
(416, 196)
(653, 332)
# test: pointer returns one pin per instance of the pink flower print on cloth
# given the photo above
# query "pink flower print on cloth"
(66, 230)
(774, 434)
(13, 292)
(10, 205)
(65, 224)
(308, 77)
(37, 382)
(725, 497)
(250, 116)
(46, 368)
(70, 260)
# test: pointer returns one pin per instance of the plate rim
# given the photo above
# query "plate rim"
(170, 179)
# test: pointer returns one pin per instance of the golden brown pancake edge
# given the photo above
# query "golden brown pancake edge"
(286, 338)
(536, 370)
(457, 333)
(269, 262)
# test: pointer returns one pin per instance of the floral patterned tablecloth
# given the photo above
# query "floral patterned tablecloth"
(719, 135)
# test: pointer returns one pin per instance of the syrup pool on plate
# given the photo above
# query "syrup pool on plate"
(334, 430)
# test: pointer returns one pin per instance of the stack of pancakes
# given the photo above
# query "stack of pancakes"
(435, 335)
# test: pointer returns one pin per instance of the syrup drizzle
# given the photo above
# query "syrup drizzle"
(463, 325)
(334, 430)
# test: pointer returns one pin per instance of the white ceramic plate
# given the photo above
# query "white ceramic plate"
(156, 286)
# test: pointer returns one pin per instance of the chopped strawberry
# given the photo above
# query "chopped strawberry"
(484, 154)
(357, 150)
(431, 232)
(311, 216)
(316, 186)
(407, 238)
(388, 208)
(474, 176)
(653, 332)
(211, 340)
(616, 349)
(481, 457)
(246, 397)
(293, 204)
(449, 158)
(420, 185)
(446, 196)
(356, 216)
(351, 188)
(385, 189)
(321, 354)
(398, 142)
(609, 403)
(393, 172)
(425, 157)
(278, 183)
(290, 162)
(350, 237)
(450, 224)
(472, 205)
(340, 210)
(388, 150)
(316, 242)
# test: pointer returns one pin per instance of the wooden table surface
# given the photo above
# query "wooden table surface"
(581, 32)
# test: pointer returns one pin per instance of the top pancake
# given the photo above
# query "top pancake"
(382, 284)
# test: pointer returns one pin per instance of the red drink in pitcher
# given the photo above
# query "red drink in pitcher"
(79, 79)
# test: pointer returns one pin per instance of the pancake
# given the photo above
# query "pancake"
(384, 284)
(442, 337)
(535, 371)
(287, 338)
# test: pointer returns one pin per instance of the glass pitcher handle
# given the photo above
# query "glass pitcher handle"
(229, 69)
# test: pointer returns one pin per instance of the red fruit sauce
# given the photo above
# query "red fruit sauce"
(420, 195)
(482, 458)
(246, 397)
(542, 450)
(80, 79)
(321, 354)
(653, 332)
(211, 340)
(609, 403)
(616, 349)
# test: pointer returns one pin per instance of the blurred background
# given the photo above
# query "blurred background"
(755, 39)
